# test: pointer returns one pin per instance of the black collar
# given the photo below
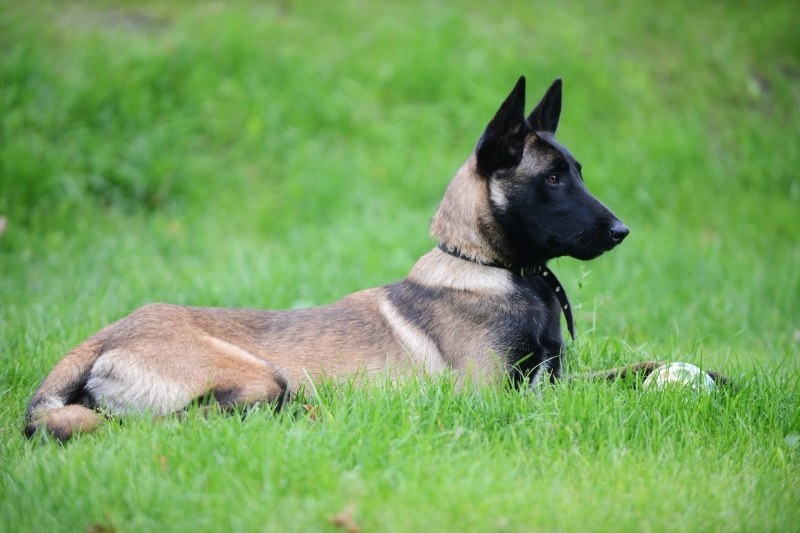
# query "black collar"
(538, 270)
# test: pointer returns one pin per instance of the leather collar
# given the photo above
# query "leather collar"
(536, 270)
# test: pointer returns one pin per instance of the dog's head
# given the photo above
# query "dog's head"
(535, 188)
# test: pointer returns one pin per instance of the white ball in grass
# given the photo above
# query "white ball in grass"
(683, 375)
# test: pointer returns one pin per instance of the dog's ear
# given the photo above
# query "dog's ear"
(503, 141)
(545, 116)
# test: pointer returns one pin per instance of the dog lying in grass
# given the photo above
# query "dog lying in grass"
(482, 303)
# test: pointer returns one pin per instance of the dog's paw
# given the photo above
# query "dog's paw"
(719, 379)
(637, 371)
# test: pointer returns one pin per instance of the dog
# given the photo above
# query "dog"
(481, 304)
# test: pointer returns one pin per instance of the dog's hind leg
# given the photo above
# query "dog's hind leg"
(57, 406)
(243, 388)
(144, 379)
(242, 379)
(64, 422)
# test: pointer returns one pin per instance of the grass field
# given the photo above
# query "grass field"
(286, 154)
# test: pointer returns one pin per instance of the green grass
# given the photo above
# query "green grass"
(283, 155)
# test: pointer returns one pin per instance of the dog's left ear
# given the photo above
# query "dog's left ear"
(503, 141)
(545, 116)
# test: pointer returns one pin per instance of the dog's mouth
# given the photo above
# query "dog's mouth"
(588, 245)
(588, 253)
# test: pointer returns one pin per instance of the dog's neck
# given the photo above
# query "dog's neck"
(464, 219)
(540, 271)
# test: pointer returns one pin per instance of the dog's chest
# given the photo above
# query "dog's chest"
(532, 333)
(519, 328)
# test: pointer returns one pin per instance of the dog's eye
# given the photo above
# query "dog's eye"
(552, 179)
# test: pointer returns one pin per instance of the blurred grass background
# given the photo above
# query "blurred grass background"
(326, 134)
(283, 154)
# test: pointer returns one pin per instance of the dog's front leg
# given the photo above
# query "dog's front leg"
(553, 366)
(627, 372)
(636, 373)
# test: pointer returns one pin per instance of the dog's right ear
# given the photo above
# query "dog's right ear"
(503, 141)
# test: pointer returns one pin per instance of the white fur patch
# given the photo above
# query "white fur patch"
(423, 352)
(232, 349)
(542, 369)
(498, 195)
(50, 402)
(450, 272)
(121, 382)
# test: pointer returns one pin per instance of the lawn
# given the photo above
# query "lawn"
(285, 154)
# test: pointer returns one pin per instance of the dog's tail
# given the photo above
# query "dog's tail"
(58, 405)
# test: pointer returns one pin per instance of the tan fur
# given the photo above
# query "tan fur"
(423, 354)
(464, 219)
(438, 269)
(64, 422)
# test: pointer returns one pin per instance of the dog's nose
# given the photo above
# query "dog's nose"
(618, 231)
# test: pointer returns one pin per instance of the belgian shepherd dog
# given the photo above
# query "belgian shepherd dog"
(482, 303)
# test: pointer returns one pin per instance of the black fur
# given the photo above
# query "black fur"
(502, 143)
(544, 116)
(549, 212)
